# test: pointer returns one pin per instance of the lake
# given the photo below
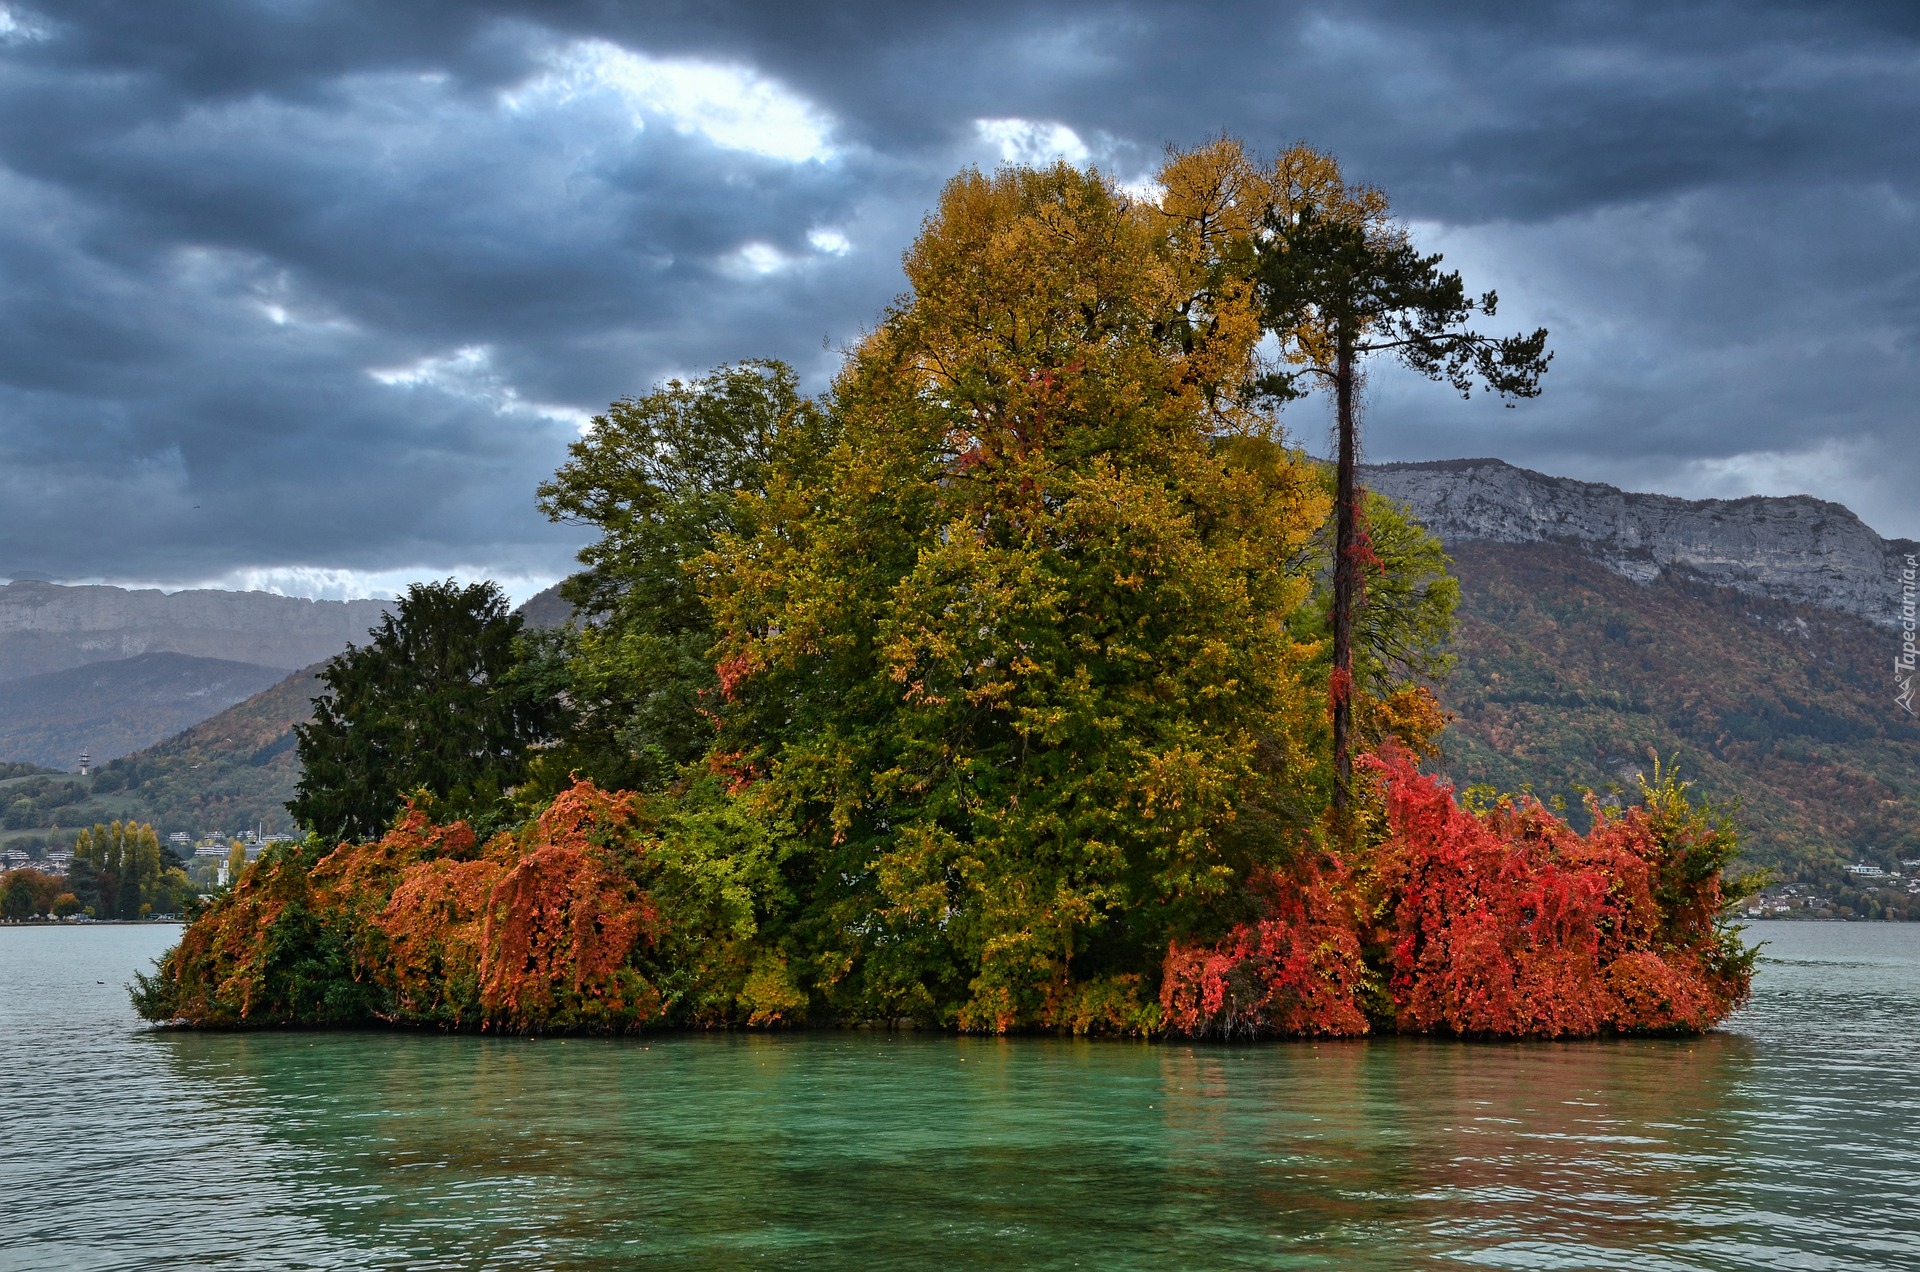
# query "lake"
(1789, 1140)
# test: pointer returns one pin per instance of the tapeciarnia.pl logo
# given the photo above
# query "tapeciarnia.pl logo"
(1903, 663)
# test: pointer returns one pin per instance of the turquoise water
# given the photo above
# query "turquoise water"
(1790, 1140)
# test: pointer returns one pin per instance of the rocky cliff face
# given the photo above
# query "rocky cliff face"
(1792, 549)
(47, 627)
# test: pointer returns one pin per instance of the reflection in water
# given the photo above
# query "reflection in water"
(817, 1149)
(1770, 1146)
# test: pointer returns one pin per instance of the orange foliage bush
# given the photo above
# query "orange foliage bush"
(424, 926)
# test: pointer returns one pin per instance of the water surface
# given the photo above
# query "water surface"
(1789, 1140)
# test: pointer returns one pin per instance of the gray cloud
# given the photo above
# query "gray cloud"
(315, 295)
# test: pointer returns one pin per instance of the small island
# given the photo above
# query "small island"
(1028, 679)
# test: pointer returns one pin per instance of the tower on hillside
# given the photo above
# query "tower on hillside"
(86, 762)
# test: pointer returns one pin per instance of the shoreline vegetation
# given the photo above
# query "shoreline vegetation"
(1028, 679)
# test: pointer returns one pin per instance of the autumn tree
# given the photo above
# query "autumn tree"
(1340, 282)
(126, 871)
(662, 477)
(1016, 655)
(26, 893)
(443, 699)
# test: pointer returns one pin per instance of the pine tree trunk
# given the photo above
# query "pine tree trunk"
(1345, 581)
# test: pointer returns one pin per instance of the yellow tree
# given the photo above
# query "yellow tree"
(1018, 655)
(125, 859)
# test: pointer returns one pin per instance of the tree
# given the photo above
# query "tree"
(16, 897)
(662, 477)
(123, 871)
(1339, 282)
(439, 701)
(1014, 654)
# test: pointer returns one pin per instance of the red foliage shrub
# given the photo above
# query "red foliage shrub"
(1298, 970)
(1508, 923)
(425, 927)
(559, 927)
(433, 927)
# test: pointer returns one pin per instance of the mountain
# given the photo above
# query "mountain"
(1751, 638)
(234, 771)
(1795, 548)
(48, 627)
(229, 772)
(1571, 676)
(110, 708)
(547, 609)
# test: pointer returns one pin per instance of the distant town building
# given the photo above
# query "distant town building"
(1866, 872)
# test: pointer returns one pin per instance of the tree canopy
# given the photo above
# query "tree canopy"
(990, 690)
(445, 699)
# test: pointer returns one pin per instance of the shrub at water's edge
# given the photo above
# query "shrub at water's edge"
(598, 916)
(1500, 922)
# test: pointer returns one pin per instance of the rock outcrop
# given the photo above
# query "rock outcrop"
(48, 627)
(1796, 548)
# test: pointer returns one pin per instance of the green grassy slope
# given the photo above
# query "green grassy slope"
(235, 770)
(1570, 676)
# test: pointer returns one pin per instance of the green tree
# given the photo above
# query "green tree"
(123, 867)
(441, 700)
(16, 897)
(1340, 282)
(662, 477)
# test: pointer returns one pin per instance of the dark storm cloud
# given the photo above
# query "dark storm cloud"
(345, 276)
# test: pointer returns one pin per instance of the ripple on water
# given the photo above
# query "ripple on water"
(1785, 1141)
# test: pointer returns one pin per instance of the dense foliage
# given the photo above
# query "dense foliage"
(662, 478)
(988, 691)
(121, 871)
(1569, 676)
(1496, 922)
(442, 699)
(30, 894)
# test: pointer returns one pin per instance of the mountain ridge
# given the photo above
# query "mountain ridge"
(48, 627)
(1783, 547)
(111, 708)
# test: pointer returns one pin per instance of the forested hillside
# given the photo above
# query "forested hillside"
(1570, 676)
(233, 771)
(108, 709)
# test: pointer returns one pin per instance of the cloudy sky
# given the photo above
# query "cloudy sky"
(309, 295)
